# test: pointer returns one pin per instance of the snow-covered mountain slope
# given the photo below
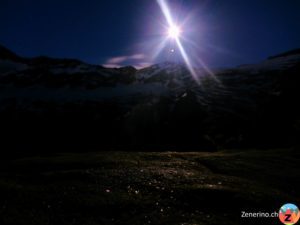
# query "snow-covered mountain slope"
(69, 79)
(277, 63)
(9, 66)
(72, 80)
(161, 105)
(68, 73)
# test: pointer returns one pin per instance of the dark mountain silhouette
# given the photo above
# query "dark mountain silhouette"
(6, 54)
(288, 53)
(49, 104)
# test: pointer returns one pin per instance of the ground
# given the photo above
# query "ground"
(185, 188)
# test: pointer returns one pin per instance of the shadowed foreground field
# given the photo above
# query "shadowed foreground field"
(148, 188)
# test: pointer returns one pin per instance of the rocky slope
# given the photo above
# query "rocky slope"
(64, 102)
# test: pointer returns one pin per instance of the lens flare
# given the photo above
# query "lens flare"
(174, 32)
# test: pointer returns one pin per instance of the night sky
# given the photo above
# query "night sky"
(122, 32)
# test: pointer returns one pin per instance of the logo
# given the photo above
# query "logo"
(289, 214)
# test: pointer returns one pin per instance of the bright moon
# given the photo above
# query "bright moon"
(174, 32)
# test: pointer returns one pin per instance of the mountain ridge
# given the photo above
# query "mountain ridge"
(156, 108)
(6, 53)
